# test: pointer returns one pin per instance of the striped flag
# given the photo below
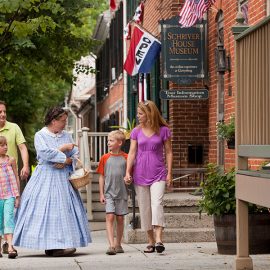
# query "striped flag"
(142, 53)
(193, 10)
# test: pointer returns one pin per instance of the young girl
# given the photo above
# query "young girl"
(9, 196)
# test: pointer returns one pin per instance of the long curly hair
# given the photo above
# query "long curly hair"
(153, 115)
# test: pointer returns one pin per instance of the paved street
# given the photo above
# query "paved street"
(178, 256)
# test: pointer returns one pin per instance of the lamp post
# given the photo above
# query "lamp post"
(220, 58)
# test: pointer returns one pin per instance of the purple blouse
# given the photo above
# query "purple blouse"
(149, 165)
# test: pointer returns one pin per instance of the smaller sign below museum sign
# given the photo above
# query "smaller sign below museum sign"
(184, 94)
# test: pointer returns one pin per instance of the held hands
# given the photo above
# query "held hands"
(24, 172)
(17, 201)
(128, 179)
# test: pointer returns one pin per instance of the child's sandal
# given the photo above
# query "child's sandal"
(149, 249)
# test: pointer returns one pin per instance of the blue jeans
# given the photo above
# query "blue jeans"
(7, 223)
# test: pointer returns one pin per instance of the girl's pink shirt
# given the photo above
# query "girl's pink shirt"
(8, 183)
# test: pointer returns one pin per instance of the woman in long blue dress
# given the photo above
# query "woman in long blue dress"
(51, 215)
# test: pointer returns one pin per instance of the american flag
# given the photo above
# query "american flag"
(138, 16)
(193, 10)
(127, 31)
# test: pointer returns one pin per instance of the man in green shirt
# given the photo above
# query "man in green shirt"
(15, 140)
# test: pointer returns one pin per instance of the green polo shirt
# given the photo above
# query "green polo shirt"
(14, 137)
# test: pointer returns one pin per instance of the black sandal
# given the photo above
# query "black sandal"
(149, 249)
(12, 254)
(160, 247)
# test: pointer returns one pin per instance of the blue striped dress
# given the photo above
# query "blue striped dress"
(51, 214)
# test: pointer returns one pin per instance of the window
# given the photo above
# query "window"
(243, 6)
(195, 154)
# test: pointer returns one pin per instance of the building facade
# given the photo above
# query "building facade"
(193, 122)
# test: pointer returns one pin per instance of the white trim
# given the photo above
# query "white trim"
(125, 97)
(116, 106)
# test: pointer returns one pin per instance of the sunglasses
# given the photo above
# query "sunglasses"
(146, 102)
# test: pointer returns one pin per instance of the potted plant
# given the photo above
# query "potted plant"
(226, 131)
(218, 199)
(127, 130)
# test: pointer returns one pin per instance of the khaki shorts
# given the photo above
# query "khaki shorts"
(118, 207)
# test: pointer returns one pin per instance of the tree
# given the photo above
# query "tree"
(39, 42)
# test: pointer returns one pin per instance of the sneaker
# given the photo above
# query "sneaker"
(111, 251)
(119, 250)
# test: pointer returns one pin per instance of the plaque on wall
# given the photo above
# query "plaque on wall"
(184, 94)
(183, 51)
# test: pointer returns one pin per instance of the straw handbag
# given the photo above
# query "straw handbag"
(80, 177)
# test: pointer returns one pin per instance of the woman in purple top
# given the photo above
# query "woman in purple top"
(146, 168)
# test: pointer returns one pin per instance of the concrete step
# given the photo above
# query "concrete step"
(95, 196)
(98, 207)
(174, 205)
(95, 187)
(173, 235)
(95, 177)
(99, 216)
(97, 225)
(181, 220)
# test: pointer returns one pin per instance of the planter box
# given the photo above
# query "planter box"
(259, 233)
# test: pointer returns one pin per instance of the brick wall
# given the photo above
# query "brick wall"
(257, 11)
(115, 94)
(188, 119)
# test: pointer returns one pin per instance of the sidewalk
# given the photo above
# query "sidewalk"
(178, 256)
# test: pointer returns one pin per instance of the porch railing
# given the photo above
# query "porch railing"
(92, 146)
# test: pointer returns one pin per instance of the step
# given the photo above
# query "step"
(99, 216)
(95, 196)
(181, 220)
(97, 225)
(95, 177)
(98, 207)
(95, 187)
(180, 199)
(173, 235)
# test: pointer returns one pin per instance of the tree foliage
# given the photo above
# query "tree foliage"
(39, 42)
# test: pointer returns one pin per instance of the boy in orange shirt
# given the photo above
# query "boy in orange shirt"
(112, 189)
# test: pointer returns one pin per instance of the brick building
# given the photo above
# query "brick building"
(193, 122)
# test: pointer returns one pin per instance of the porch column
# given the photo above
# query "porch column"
(87, 165)
(243, 260)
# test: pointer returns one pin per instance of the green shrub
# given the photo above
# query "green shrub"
(218, 191)
(226, 131)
